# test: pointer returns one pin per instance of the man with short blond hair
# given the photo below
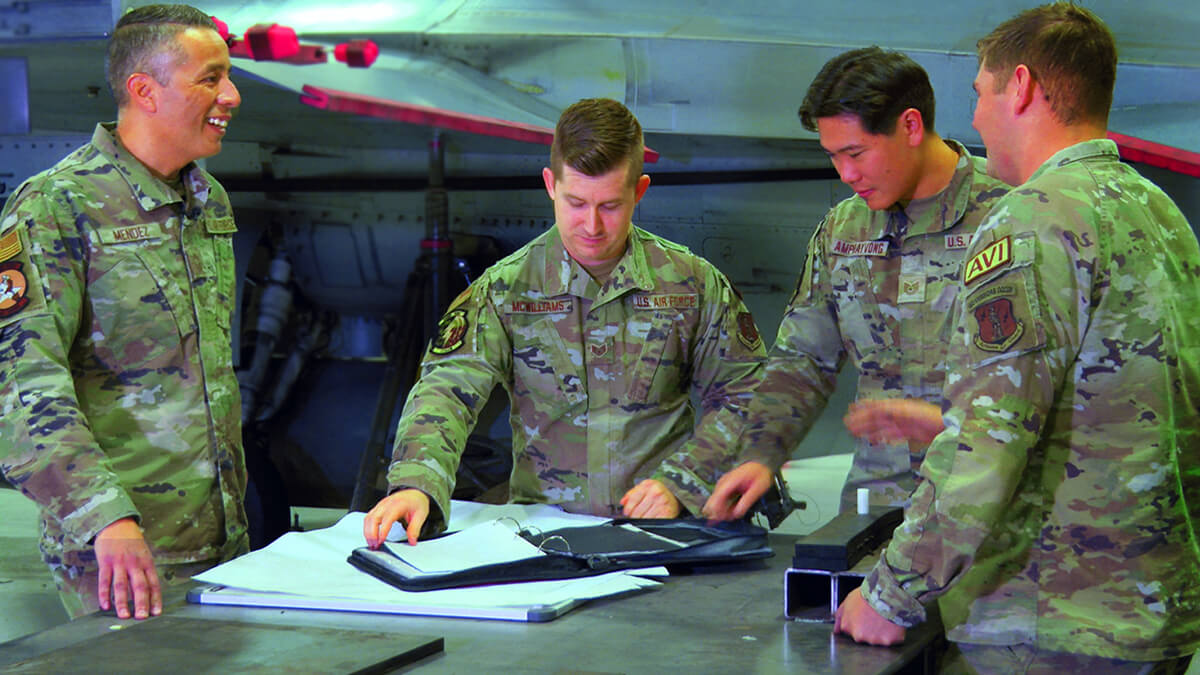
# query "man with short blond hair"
(601, 333)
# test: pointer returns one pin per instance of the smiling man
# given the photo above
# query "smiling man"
(879, 278)
(121, 408)
(600, 333)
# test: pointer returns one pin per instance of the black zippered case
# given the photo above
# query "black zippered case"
(585, 551)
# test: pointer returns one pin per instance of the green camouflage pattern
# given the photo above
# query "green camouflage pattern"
(116, 375)
(600, 377)
(961, 658)
(1060, 499)
(876, 290)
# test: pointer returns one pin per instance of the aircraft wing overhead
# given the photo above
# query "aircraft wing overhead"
(416, 79)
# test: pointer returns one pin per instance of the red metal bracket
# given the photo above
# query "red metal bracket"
(272, 42)
(1157, 154)
(359, 104)
(357, 53)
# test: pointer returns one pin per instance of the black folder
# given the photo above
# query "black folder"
(585, 551)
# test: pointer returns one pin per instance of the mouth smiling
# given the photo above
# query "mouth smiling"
(218, 122)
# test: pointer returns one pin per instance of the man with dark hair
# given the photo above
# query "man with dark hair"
(1055, 519)
(601, 333)
(121, 408)
(879, 276)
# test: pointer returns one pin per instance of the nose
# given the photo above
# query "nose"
(591, 222)
(847, 172)
(228, 95)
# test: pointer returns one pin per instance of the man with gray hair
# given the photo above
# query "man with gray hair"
(121, 408)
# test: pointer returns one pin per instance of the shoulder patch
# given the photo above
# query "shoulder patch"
(747, 331)
(10, 245)
(452, 332)
(20, 282)
(996, 254)
(462, 297)
(1003, 319)
(14, 287)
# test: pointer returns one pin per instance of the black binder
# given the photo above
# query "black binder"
(585, 551)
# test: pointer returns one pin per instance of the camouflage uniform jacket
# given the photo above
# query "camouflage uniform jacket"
(116, 374)
(876, 288)
(1061, 497)
(600, 377)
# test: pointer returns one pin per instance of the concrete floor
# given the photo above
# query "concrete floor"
(28, 601)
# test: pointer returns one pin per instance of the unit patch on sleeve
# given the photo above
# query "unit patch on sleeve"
(14, 288)
(1002, 319)
(747, 331)
(996, 254)
(452, 332)
(20, 289)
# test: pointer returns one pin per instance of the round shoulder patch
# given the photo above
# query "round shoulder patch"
(13, 289)
(452, 332)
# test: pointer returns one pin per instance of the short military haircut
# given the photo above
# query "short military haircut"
(595, 136)
(144, 41)
(1068, 50)
(873, 84)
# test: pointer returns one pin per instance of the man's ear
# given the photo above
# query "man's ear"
(548, 179)
(912, 123)
(143, 92)
(1024, 88)
(639, 189)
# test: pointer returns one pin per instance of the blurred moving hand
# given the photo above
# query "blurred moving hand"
(737, 491)
(894, 420)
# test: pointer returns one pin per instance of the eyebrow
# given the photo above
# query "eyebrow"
(844, 148)
(219, 68)
(573, 197)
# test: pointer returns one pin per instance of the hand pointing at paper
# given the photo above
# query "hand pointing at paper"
(407, 506)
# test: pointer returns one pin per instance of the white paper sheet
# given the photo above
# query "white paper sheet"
(314, 564)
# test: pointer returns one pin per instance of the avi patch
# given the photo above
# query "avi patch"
(1002, 318)
(452, 332)
(747, 331)
(996, 255)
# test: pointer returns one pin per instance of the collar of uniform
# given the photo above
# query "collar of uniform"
(565, 275)
(941, 211)
(1097, 147)
(151, 192)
